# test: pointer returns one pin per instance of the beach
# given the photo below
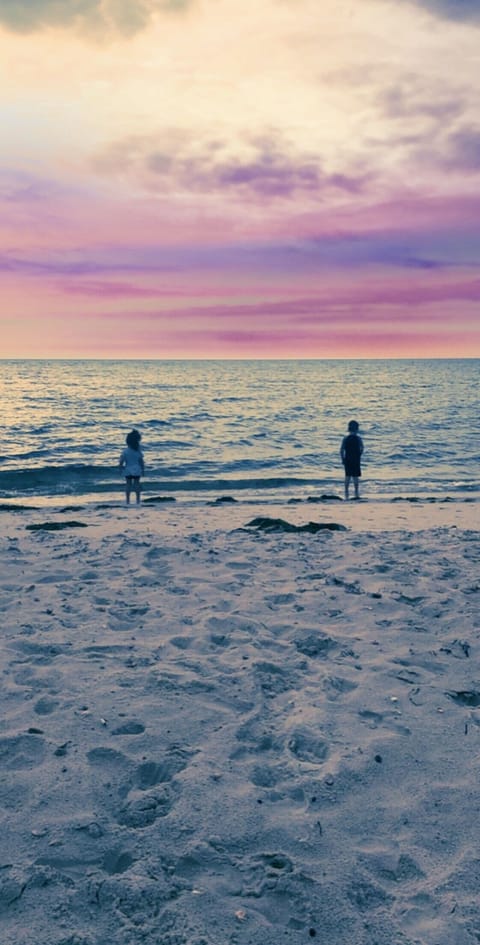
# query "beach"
(220, 733)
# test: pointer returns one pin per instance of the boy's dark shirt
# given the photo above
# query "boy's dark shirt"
(352, 444)
(352, 449)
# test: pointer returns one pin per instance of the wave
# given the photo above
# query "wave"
(82, 479)
(78, 480)
(51, 478)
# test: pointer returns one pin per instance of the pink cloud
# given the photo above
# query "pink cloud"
(211, 281)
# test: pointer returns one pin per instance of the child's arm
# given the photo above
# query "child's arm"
(342, 451)
(142, 464)
(121, 461)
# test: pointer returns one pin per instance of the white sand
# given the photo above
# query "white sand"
(212, 735)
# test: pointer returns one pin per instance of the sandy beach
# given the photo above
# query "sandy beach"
(217, 734)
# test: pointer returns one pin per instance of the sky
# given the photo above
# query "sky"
(239, 178)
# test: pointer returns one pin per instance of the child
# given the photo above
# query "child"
(351, 451)
(131, 461)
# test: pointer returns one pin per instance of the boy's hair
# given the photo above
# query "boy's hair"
(353, 426)
(133, 438)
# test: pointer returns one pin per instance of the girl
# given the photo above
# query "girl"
(131, 461)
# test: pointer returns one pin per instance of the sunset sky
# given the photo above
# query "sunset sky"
(239, 178)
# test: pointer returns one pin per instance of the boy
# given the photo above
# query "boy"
(351, 451)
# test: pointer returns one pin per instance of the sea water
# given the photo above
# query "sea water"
(247, 429)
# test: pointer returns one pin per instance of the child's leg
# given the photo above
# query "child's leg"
(137, 489)
(347, 485)
(356, 487)
(128, 489)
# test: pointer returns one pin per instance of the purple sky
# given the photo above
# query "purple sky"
(212, 179)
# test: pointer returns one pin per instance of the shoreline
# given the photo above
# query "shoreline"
(379, 513)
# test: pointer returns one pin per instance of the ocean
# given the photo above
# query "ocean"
(247, 429)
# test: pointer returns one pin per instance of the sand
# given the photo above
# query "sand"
(213, 734)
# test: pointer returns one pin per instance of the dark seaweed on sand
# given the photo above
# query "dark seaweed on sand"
(6, 507)
(159, 498)
(54, 526)
(280, 525)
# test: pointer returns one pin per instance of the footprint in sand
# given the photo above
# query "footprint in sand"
(210, 862)
(142, 809)
(13, 883)
(266, 776)
(151, 773)
(40, 653)
(306, 745)
(388, 720)
(152, 789)
(387, 864)
(274, 679)
(45, 706)
(278, 600)
(129, 728)
(276, 890)
(182, 643)
(336, 686)
(34, 679)
(367, 896)
(269, 882)
(107, 758)
(256, 736)
(135, 896)
(21, 751)
(314, 644)
(117, 861)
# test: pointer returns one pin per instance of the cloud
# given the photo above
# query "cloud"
(413, 97)
(414, 252)
(21, 187)
(261, 168)
(463, 149)
(99, 17)
(455, 9)
(357, 295)
(81, 264)
(124, 290)
(459, 10)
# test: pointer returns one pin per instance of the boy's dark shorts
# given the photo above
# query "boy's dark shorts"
(352, 468)
(132, 480)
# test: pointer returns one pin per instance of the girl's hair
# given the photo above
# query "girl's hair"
(133, 438)
(353, 426)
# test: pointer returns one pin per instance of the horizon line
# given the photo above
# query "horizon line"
(72, 358)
